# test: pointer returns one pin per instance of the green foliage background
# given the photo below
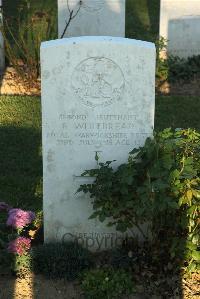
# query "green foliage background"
(11, 10)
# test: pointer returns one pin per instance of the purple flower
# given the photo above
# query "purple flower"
(19, 246)
(18, 218)
(4, 206)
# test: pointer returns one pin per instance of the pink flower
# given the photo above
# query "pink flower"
(18, 218)
(19, 246)
(4, 206)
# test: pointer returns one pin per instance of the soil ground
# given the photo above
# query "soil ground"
(38, 287)
(11, 84)
(180, 88)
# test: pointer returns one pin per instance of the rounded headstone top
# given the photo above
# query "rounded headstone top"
(96, 40)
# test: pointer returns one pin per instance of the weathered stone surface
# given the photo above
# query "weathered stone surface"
(180, 25)
(95, 17)
(97, 97)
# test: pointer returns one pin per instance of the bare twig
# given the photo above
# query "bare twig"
(72, 15)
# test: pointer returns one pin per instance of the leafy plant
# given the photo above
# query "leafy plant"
(184, 69)
(15, 241)
(123, 258)
(57, 260)
(162, 67)
(159, 186)
(106, 284)
(174, 68)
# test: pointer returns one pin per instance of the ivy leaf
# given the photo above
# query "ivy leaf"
(189, 195)
(196, 193)
(191, 210)
(96, 157)
(192, 267)
(94, 215)
(191, 245)
(167, 161)
(134, 151)
(122, 227)
(102, 217)
(181, 201)
(174, 174)
(196, 255)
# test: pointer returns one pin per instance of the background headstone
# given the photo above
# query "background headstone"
(96, 17)
(180, 25)
(98, 97)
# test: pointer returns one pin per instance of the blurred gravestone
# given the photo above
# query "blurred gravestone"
(94, 17)
(180, 25)
(98, 98)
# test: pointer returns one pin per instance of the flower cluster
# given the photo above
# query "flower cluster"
(18, 218)
(18, 221)
(19, 246)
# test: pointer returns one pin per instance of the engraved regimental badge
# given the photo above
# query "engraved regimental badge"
(98, 81)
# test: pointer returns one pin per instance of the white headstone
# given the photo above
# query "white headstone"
(98, 96)
(95, 17)
(180, 25)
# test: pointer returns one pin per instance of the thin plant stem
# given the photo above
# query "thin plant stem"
(71, 17)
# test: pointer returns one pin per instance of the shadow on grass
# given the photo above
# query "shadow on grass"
(177, 112)
(21, 167)
(20, 182)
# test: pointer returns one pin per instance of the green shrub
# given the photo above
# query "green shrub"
(162, 67)
(159, 186)
(122, 258)
(174, 68)
(183, 69)
(106, 284)
(58, 260)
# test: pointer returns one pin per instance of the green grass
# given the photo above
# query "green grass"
(177, 112)
(20, 152)
(20, 142)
